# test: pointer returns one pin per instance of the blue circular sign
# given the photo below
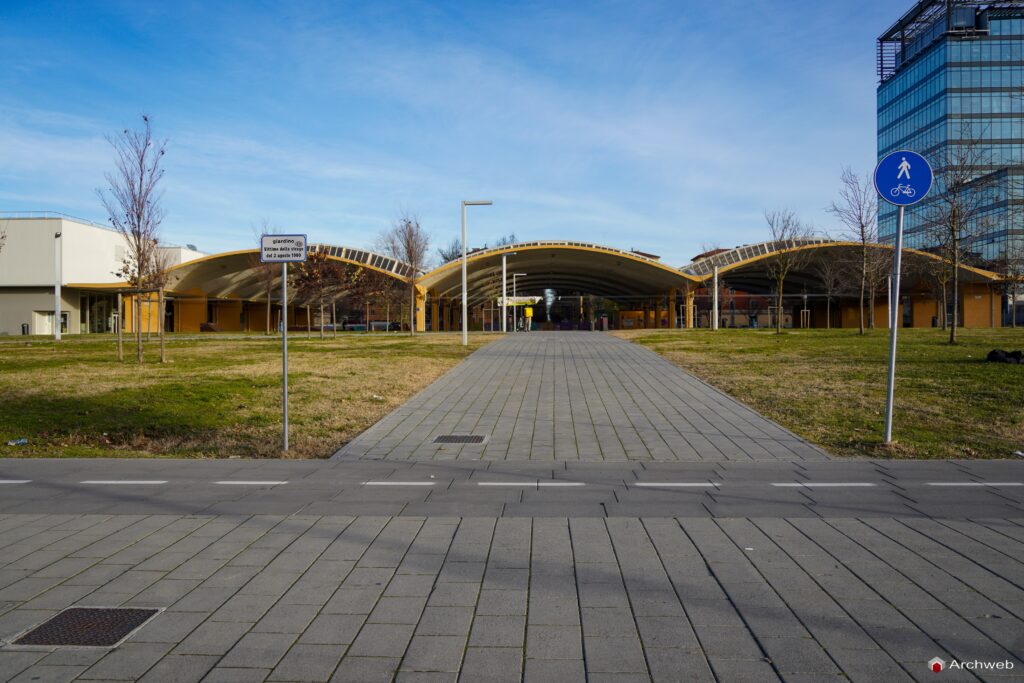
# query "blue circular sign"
(903, 178)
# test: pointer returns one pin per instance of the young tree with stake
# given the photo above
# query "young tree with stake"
(132, 202)
(788, 233)
(407, 241)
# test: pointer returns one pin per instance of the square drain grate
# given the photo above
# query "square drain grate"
(459, 438)
(88, 627)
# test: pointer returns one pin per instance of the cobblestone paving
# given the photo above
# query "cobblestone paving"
(310, 598)
(576, 396)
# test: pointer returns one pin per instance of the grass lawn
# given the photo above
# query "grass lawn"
(829, 386)
(217, 396)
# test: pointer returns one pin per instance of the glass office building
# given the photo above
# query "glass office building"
(951, 71)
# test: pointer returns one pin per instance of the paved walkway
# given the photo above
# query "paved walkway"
(575, 396)
(310, 598)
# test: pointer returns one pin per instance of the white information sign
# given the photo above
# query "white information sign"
(282, 248)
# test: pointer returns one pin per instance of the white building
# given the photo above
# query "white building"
(84, 258)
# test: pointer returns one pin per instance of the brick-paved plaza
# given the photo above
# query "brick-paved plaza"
(622, 522)
(572, 396)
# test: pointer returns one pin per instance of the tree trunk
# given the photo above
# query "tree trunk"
(321, 318)
(160, 311)
(828, 314)
(778, 308)
(334, 318)
(871, 306)
(138, 325)
(309, 323)
(412, 311)
(863, 284)
(945, 305)
(1013, 306)
(955, 318)
(120, 327)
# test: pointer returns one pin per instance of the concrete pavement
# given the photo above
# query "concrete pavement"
(575, 396)
(714, 547)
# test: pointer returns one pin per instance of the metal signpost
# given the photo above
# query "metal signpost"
(283, 249)
(902, 178)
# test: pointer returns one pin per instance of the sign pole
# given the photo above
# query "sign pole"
(902, 178)
(894, 315)
(284, 352)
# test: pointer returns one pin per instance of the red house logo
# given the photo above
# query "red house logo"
(936, 665)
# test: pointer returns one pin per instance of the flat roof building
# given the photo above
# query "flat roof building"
(90, 255)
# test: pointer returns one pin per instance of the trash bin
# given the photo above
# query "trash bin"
(24, 329)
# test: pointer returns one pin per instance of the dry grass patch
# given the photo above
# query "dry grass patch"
(218, 396)
(829, 386)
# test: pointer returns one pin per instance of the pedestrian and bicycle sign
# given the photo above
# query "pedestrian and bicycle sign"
(903, 178)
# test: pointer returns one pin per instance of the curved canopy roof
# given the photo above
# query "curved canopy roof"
(745, 267)
(566, 267)
(235, 274)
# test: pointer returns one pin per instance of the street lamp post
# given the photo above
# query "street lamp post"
(465, 309)
(515, 308)
(57, 276)
(504, 292)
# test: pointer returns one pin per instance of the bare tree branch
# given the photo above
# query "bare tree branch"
(132, 201)
(407, 241)
(788, 232)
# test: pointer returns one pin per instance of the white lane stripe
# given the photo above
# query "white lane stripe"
(975, 483)
(821, 484)
(251, 483)
(676, 484)
(398, 483)
(15, 481)
(126, 482)
(525, 484)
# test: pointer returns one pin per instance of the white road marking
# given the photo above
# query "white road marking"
(398, 483)
(975, 483)
(125, 482)
(15, 481)
(677, 484)
(524, 484)
(821, 484)
(251, 483)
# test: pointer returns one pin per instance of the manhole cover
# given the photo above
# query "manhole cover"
(459, 438)
(87, 627)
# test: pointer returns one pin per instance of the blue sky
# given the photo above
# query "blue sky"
(660, 126)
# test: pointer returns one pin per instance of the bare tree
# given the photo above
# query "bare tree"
(857, 210)
(831, 274)
(132, 201)
(268, 273)
(3, 235)
(451, 252)
(1011, 266)
(506, 240)
(788, 232)
(407, 241)
(314, 279)
(962, 192)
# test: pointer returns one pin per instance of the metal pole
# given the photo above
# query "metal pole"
(284, 352)
(888, 292)
(504, 296)
(57, 275)
(896, 265)
(515, 309)
(714, 303)
(465, 314)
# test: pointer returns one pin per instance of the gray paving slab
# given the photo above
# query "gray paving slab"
(557, 396)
